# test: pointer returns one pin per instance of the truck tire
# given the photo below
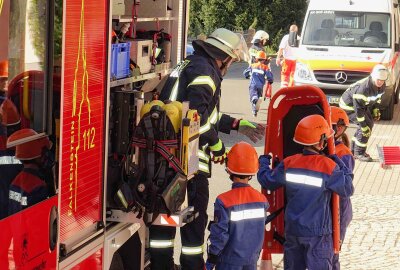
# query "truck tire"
(387, 114)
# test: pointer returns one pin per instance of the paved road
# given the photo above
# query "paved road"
(373, 238)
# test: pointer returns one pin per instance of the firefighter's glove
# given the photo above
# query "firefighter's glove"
(219, 152)
(253, 131)
(366, 131)
(376, 114)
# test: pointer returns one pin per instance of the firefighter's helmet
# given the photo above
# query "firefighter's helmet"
(339, 116)
(9, 112)
(242, 159)
(312, 129)
(261, 55)
(379, 72)
(260, 35)
(27, 150)
(225, 40)
(4, 69)
(173, 114)
(147, 107)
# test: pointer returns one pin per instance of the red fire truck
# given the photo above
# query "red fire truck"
(77, 72)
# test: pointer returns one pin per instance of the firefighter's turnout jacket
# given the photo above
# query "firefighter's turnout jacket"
(254, 49)
(361, 97)
(236, 236)
(198, 79)
(309, 179)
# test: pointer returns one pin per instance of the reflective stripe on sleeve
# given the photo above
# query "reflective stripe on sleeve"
(203, 167)
(214, 116)
(204, 80)
(161, 243)
(203, 155)
(247, 214)
(192, 250)
(344, 106)
(15, 196)
(206, 127)
(360, 96)
(304, 179)
(174, 92)
(217, 147)
(358, 143)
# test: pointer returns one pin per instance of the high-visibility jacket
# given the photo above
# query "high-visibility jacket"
(361, 97)
(259, 73)
(309, 181)
(198, 80)
(237, 234)
(26, 189)
(254, 49)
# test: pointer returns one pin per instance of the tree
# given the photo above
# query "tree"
(273, 16)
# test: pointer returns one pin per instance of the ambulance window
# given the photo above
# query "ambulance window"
(30, 80)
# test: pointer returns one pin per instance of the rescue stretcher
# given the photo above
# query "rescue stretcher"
(286, 108)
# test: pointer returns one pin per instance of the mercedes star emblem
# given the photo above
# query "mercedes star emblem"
(341, 77)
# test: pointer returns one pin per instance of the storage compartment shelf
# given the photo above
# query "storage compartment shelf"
(126, 18)
(142, 77)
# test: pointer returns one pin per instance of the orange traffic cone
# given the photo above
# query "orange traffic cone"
(266, 260)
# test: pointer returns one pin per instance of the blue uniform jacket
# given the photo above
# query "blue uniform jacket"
(346, 209)
(309, 179)
(259, 74)
(237, 235)
(26, 190)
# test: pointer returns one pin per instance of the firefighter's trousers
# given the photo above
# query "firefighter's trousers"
(287, 72)
(192, 234)
(359, 141)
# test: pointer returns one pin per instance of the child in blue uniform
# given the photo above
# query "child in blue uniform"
(309, 178)
(259, 73)
(340, 122)
(237, 233)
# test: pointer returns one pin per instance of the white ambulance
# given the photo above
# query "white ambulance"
(342, 40)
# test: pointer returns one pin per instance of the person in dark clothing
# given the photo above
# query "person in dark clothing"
(360, 101)
(29, 187)
(258, 42)
(198, 80)
(237, 233)
(309, 179)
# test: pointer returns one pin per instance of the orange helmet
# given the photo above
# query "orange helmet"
(4, 69)
(261, 55)
(28, 150)
(242, 159)
(9, 112)
(339, 116)
(312, 129)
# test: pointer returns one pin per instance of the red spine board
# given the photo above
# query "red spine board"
(280, 105)
(82, 118)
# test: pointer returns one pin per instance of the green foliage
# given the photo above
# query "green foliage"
(273, 16)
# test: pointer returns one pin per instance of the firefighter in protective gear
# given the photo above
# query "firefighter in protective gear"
(288, 62)
(340, 122)
(359, 101)
(258, 42)
(29, 187)
(236, 235)
(309, 179)
(198, 80)
(259, 74)
(3, 79)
